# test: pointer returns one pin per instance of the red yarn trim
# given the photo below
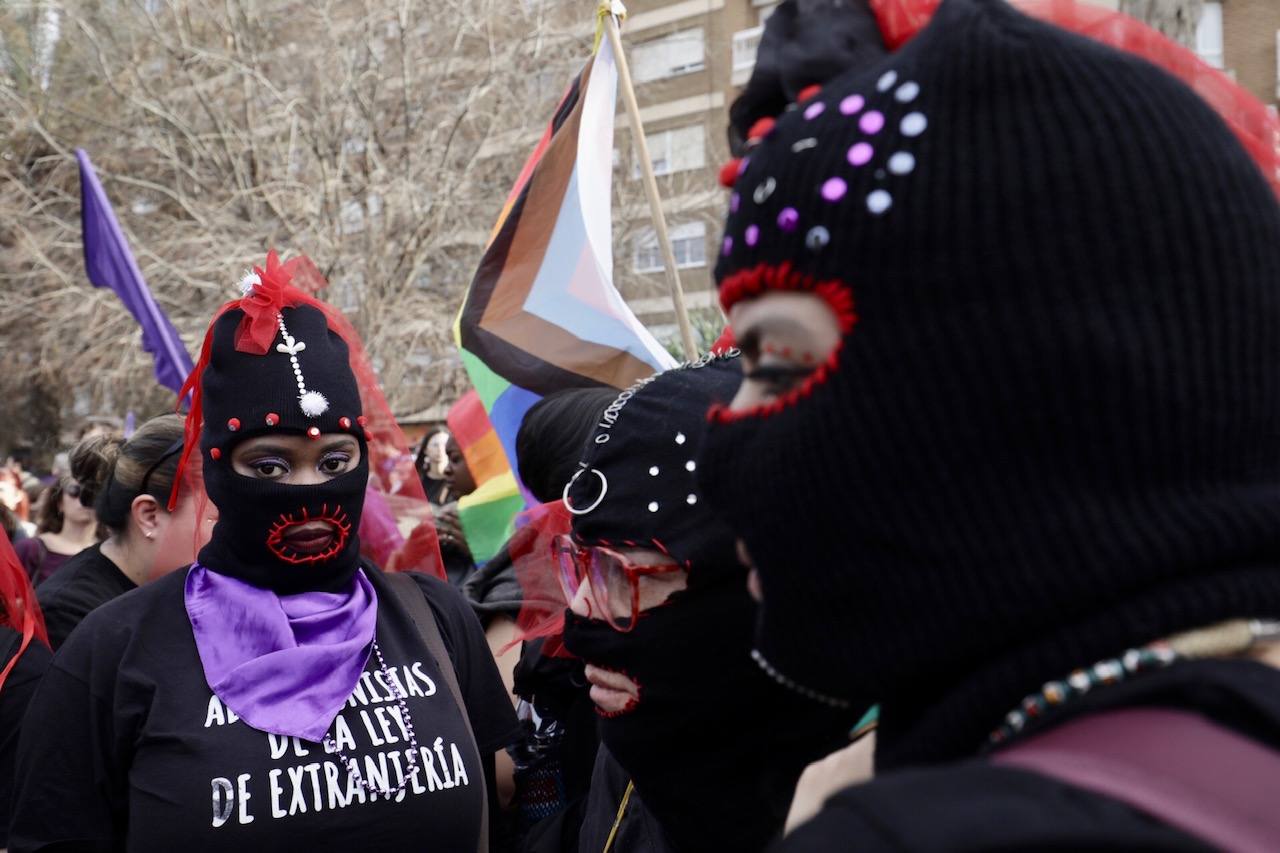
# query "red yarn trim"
(753, 282)
(337, 517)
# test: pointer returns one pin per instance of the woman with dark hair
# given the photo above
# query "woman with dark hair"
(431, 462)
(1008, 310)
(129, 483)
(65, 526)
(281, 692)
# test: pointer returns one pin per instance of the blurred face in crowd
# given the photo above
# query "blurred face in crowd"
(784, 337)
(456, 472)
(436, 450)
(10, 494)
(69, 503)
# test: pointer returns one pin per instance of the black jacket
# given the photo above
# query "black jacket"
(974, 805)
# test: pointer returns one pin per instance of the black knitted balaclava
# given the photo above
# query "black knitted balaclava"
(1051, 430)
(713, 745)
(302, 385)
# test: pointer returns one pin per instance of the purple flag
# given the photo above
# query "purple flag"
(109, 263)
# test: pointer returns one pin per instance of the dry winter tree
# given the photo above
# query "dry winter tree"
(380, 138)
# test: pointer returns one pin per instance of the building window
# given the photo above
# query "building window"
(677, 150)
(688, 244)
(678, 53)
(1209, 35)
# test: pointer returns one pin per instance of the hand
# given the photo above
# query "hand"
(849, 766)
(449, 529)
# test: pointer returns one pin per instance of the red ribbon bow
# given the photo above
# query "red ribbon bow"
(263, 303)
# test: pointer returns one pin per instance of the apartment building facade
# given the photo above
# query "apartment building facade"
(1242, 37)
(688, 59)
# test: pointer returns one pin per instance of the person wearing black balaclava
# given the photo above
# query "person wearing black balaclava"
(1008, 309)
(280, 692)
(660, 614)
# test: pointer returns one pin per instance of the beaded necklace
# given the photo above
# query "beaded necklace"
(1226, 638)
(354, 767)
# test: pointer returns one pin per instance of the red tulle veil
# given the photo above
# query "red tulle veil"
(18, 607)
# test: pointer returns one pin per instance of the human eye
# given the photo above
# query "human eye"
(775, 380)
(334, 462)
(269, 468)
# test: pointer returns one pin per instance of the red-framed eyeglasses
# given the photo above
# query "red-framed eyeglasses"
(611, 576)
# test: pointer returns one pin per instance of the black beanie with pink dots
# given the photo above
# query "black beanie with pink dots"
(1051, 430)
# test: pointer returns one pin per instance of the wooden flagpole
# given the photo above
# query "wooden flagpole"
(651, 187)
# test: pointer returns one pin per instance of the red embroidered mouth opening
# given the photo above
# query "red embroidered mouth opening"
(288, 523)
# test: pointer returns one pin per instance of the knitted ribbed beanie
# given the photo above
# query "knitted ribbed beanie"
(1052, 428)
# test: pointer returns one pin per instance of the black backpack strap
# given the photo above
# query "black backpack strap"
(414, 601)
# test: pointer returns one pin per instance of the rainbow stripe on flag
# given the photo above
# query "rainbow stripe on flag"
(487, 515)
(542, 313)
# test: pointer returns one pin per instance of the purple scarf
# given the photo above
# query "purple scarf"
(285, 664)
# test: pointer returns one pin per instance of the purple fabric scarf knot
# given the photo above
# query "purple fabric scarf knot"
(285, 664)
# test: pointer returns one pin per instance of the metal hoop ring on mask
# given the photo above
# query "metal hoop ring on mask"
(604, 490)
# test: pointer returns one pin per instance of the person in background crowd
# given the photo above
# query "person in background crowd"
(458, 562)
(550, 770)
(694, 734)
(24, 656)
(431, 463)
(10, 525)
(65, 526)
(131, 482)
(14, 496)
(1008, 310)
(281, 693)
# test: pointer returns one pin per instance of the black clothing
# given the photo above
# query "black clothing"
(87, 581)
(14, 698)
(247, 395)
(493, 588)
(437, 490)
(1049, 432)
(561, 740)
(972, 805)
(135, 750)
(714, 746)
(609, 805)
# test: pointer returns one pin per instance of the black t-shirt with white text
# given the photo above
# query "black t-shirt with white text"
(133, 751)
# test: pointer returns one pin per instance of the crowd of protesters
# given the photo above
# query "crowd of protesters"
(965, 537)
